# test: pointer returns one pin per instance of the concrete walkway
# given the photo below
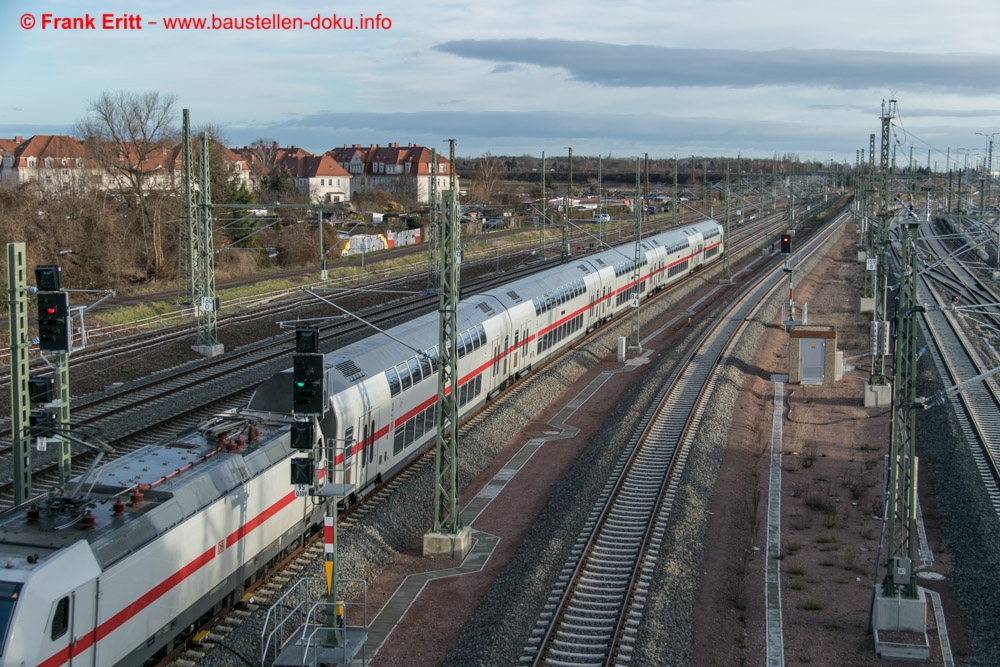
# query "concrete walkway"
(772, 570)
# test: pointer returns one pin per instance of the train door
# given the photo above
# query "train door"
(525, 350)
(506, 344)
(71, 620)
(517, 356)
(366, 450)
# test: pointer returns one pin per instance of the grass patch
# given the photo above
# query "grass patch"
(819, 501)
(795, 569)
(811, 605)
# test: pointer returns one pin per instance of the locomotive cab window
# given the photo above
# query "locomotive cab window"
(9, 592)
(60, 619)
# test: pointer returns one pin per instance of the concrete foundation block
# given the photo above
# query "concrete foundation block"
(878, 396)
(209, 350)
(448, 545)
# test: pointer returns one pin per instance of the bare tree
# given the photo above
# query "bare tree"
(131, 135)
(265, 153)
(488, 175)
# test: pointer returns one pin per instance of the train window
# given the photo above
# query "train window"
(433, 354)
(393, 379)
(60, 619)
(371, 444)
(418, 426)
(397, 441)
(466, 345)
(348, 442)
(414, 369)
(404, 375)
(425, 365)
(481, 331)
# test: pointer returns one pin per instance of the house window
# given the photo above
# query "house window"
(441, 168)
(338, 181)
(322, 181)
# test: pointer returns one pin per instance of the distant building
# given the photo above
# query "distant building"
(405, 170)
(320, 177)
(61, 163)
(58, 163)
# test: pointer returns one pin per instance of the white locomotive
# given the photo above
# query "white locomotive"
(156, 540)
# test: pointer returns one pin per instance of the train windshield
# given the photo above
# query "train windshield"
(9, 592)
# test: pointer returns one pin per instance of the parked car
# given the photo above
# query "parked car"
(601, 217)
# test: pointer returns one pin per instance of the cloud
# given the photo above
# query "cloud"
(655, 66)
(551, 131)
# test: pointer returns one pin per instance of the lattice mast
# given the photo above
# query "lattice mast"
(433, 228)
(878, 376)
(20, 406)
(564, 252)
(545, 203)
(446, 489)
(185, 243)
(726, 274)
(207, 304)
(902, 501)
(636, 265)
(868, 213)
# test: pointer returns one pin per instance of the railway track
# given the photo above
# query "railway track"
(596, 606)
(957, 357)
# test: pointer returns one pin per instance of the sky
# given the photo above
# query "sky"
(671, 78)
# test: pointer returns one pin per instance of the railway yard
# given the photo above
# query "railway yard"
(534, 466)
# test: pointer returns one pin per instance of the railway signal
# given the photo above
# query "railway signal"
(303, 471)
(307, 339)
(53, 321)
(786, 244)
(48, 277)
(308, 394)
(302, 435)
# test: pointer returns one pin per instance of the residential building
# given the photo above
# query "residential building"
(61, 163)
(406, 171)
(319, 177)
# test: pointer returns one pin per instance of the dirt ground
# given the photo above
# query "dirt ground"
(831, 501)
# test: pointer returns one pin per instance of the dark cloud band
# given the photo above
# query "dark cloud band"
(637, 66)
